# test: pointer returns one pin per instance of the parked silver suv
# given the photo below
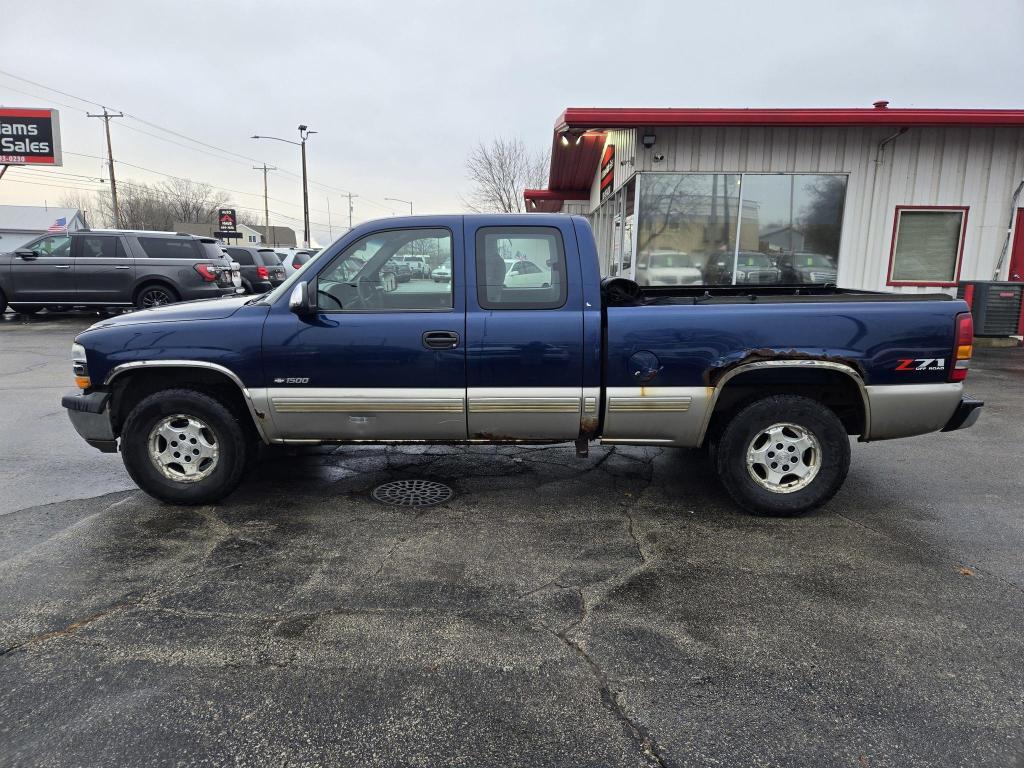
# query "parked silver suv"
(110, 268)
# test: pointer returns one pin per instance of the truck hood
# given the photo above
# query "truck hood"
(201, 309)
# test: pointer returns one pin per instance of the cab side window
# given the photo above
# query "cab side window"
(371, 276)
(55, 245)
(520, 268)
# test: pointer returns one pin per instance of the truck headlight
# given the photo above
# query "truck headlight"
(80, 367)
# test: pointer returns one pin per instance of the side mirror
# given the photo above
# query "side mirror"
(303, 299)
(27, 253)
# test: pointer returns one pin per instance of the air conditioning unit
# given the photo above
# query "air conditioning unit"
(996, 306)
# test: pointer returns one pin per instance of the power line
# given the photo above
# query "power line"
(369, 201)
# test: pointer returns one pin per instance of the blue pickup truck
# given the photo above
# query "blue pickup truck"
(526, 343)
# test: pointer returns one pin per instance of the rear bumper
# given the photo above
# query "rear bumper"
(90, 417)
(966, 413)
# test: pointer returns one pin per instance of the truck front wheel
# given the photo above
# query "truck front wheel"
(184, 447)
(783, 455)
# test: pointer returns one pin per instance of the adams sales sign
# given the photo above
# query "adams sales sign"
(29, 137)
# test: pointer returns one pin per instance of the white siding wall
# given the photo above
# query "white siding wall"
(957, 166)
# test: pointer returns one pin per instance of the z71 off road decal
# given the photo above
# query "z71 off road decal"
(922, 364)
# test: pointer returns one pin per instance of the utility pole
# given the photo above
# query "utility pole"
(110, 163)
(266, 201)
(330, 229)
(350, 196)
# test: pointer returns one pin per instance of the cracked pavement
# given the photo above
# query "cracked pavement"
(610, 611)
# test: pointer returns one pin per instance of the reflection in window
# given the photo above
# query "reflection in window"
(788, 233)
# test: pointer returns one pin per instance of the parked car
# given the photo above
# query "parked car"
(442, 274)
(802, 267)
(666, 267)
(261, 270)
(114, 268)
(521, 273)
(402, 269)
(576, 360)
(292, 260)
(417, 265)
(752, 268)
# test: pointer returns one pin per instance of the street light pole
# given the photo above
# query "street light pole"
(304, 133)
(398, 200)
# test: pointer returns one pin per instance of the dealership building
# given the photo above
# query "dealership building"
(877, 198)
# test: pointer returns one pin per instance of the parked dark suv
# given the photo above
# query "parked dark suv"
(261, 268)
(110, 268)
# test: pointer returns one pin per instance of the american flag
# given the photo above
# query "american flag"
(60, 225)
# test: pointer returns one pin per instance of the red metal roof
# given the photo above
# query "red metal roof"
(573, 164)
(601, 118)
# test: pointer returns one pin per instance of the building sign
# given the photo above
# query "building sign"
(29, 137)
(226, 220)
(607, 172)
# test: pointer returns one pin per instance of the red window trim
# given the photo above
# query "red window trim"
(964, 209)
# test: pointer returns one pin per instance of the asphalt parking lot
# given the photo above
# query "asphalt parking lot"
(612, 611)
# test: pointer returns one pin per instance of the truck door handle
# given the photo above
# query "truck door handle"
(440, 340)
(121, 266)
(62, 266)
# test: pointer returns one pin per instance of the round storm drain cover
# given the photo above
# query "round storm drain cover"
(412, 493)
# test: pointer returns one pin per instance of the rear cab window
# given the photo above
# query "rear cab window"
(520, 268)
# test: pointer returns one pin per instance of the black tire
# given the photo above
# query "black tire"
(155, 296)
(3, 303)
(832, 458)
(247, 286)
(26, 309)
(234, 447)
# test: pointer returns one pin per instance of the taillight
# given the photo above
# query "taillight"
(964, 346)
(261, 273)
(207, 272)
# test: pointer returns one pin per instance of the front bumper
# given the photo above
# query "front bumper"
(91, 419)
(966, 413)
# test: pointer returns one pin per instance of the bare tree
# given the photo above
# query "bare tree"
(191, 201)
(500, 171)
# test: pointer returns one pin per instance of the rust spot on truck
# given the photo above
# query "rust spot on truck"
(715, 374)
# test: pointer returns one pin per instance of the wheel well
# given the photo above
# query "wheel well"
(152, 283)
(131, 387)
(833, 389)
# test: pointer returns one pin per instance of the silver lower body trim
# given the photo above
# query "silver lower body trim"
(904, 410)
(655, 415)
(530, 413)
(367, 414)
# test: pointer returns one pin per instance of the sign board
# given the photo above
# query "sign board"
(226, 235)
(29, 136)
(607, 172)
(226, 220)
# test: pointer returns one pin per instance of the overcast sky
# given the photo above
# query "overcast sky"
(399, 91)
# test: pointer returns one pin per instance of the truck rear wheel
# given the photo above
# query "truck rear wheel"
(184, 447)
(783, 456)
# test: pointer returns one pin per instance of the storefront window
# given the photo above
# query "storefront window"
(788, 230)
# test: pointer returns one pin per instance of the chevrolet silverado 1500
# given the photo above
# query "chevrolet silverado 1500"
(771, 380)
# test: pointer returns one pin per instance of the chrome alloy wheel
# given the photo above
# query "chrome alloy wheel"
(783, 458)
(183, 448)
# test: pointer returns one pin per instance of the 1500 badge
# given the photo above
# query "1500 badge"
(922, 364)
(292, 381)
